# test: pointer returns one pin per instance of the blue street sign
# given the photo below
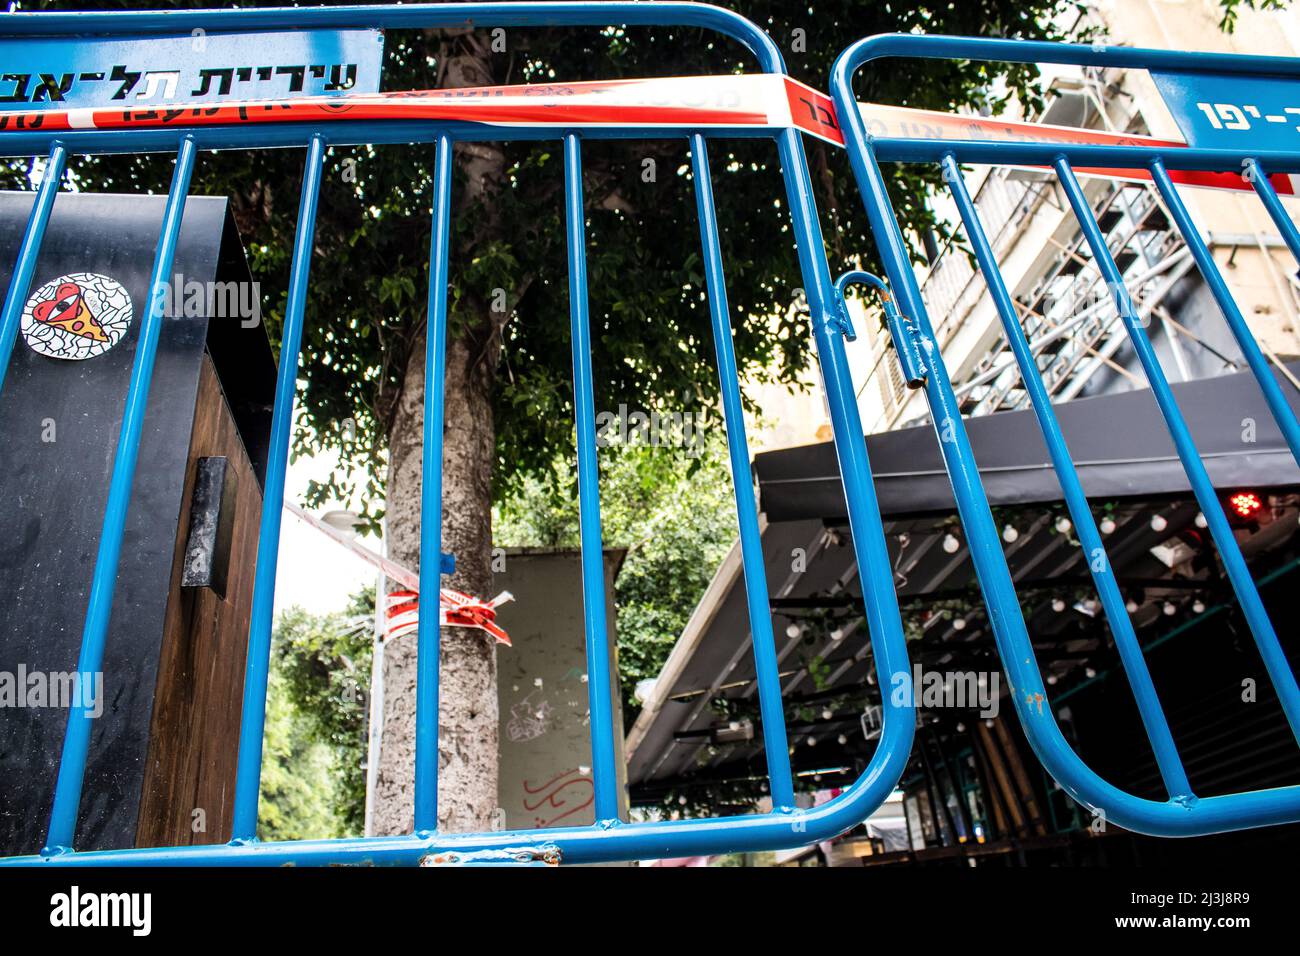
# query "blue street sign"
(198, 67)
(1226, 111)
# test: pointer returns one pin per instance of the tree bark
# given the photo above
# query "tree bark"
(467, 714)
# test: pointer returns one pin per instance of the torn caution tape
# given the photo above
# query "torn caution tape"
(455, 609)
(762, 101)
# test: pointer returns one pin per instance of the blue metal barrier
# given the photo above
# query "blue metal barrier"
(609, 838)
(1183, 813)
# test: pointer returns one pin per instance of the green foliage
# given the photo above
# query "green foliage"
(1231, 8)
(675, 514)
(648, 312)
(314, 782)
(298, 773)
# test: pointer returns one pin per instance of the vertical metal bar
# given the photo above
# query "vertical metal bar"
(76, 741)
(28, 252)
(880, 601)
(1290, 233)
(1277, 403)
(599, 697)
(257, 668)
(1275, 662)
(435, 359)
(775, 744)
(1126, 642)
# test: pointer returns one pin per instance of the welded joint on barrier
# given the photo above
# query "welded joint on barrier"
(548, 854)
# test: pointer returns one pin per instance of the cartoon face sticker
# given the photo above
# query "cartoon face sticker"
(77, 316)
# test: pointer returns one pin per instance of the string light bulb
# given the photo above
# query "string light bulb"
(1107, 525)
(1159, 523)
(1009, 533)
(950, 543)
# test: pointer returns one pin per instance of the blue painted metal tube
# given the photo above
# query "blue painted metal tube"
(775, 744)
(875, 569)
(428, 654)
(1103, 575)
(604, 771)
(1277, 403)
(248, 777)
(1268, 195)
(28, 251)
(1234, 564)
(76, 740)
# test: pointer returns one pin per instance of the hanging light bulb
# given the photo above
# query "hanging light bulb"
(812, 741)
(1169, 609)
(1009, 533)
(950, 543)
(1131, 606)
(988, 722)
(1051, 678)
(1159, 523)
(827, 713)
(841, 740)
(1058, 605)
(1200, 520)
(837, 634)
(792, 630)
(959, 624)
(1198, 606)
(1089, 672)
(961, 728)
(1063, 524)
(1107, 525)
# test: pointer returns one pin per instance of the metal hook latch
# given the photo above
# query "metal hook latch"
(901, 329)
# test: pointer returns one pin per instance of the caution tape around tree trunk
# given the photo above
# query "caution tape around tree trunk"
(743, 101)
(455, 608)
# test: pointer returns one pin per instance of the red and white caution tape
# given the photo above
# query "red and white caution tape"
(753, 101)
(455, 609)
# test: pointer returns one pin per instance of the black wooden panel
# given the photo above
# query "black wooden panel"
(52, 498)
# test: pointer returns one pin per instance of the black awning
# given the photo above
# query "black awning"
(1119, 443)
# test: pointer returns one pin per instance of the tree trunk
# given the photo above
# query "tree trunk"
(467, 716)
(467, 713)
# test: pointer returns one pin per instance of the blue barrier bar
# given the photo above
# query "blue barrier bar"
(28, 252)
(775, 743)
(1264, 188)
(428, 653)
(875, 568)
(1275, 662)
(604, 771)
(1277, 403)
(1126, 642)
(76, 740)
(257, 667)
